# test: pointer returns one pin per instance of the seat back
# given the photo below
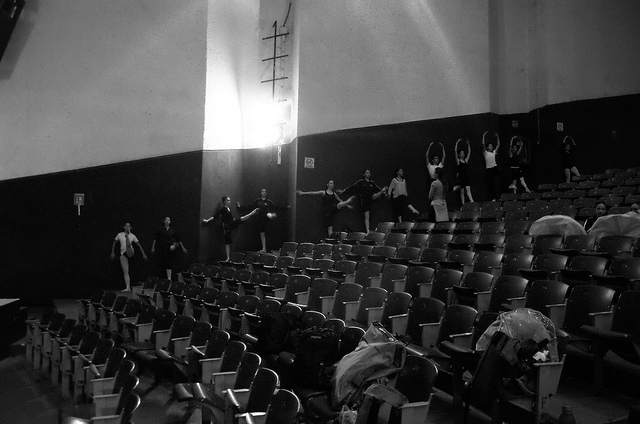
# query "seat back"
(626, 267)
(322, 251)
(417, 275)
(113, 362)
(297, 283)
(129, 383)
(546, 292)
(443, 281)
(320, 287)
(423, 310)
(122, 376)
(625, 315)
(283, 262)
(580, 242)
(200, 333)
(304, 249)
(614, 245)
(584, 300)
(339, 250)
(232, 356)
(595, 265)
(472, 283)
(350, 339)
(284, 408)
(262, 389)
(392, 272)
(512, 263)
(492, 227)
(550, 262)
(504, 288)
(394, 239)
(365, 271)
(372, 297)
(397, 303)
(89, 342)
(418, 240)
(347, 292)
(439, 240)
(131, 404)
(102, 351)
(487, 261)
(416, 378)
(517, 242)
(431, 257)
(249, 365)
(545, 242)
(457, 319)
(382, 253)
(311, 319)
(217, 343)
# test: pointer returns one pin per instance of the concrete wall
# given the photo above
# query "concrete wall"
(87, 83)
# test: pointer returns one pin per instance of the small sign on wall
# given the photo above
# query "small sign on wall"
(78, 200)
(514, 124)
(309, 163)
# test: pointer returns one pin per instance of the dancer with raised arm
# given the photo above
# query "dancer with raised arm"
(229, 223)
(515, 148)
(568, 159)
(434, 162)
(331, 204)
(492, 175)
(462, 176)
(368, 192)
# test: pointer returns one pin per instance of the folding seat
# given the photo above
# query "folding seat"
(283, 409)
(599, 177)
(518, 243)
(98, 309)
(235, 260)
(252, 321)
(335, 237)
(612, 201)
(195, 268)
(423, 227)
(342, 269)
(574, 194)
(487, 261)
(154, 296)
(623, 191)
(300, 264)
(439, 241)
(319, 268)
(430, 257)
(403, 227)
(113, 403)
(129, 324)
(322, 251)
(367, 309)
(490, 215)
(584, 202)
(365, 272)
(58, 345)
(296, 284)
(584, 213)
(415, 277)
(208, 295)
(391, 275)
(512, 205)
(545, 242)
(384, 227)
(463, 241)
(583, 269)
(516, 227)
(183, 301)
(583, 301)
(613, 246)
(588, 184)
(508, 197)
(394, 239)
(217, 313)
(492, 227)
(334, 306)
(354, 237)
(264, 260)
(444, 227)
(145, 334)
(359, 252)
(242, 275)
(247, 303)
(422, 310)
(540, 294)
(467, 216)
(546, 266)
(404, 255)
(67, 361)
(623, 274)
(467, 292)
(281, 264)
(598, 193)
(418, 240)
(109, 314)
(381, 254)
(512, 263)
(85, 307)
(440, 287)
(277, 283)
(319, 288)
(247, 261)
(633, 181)
(617, 331)
(470, 227)
(373, 238)
(288, 248)
(224, 360)
(81, 368)
(254, 400)
(175, 357)
(50, 336)
(619, 210)
(147, 286)
(550, 195)
(461, 260)
(490, 242)
(102, 376)
(41, 336)
(339, 250)
(631, 198)
(547, 187)
(505, 288)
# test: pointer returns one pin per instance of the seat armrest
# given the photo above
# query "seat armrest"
(143, 332)
(302, 298)
(602, 320)
(483, 298)
(424, 289)
(374, 314)
(462, 340)
(557, 313)
(181, 346)
(102, 386)
(223, 381)
(351, 310)
(517, 302)
(375, 281)
(327, 304)
(399, 284)
(237, 398)
(107, 419)
(162, 338)
(415, 412)
(399, 323)
(105, 404)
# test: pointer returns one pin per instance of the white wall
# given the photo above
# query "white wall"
(91, 82)
(372, 62)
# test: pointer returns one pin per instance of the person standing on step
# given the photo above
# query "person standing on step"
(398, 193)
(331, 204)
(368, 192)
(492, 174)
(462, 175)
(515, 170)
(229, 223)
(127, 240)
(167, 240)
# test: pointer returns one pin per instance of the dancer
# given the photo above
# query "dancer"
(331, 204)
(601, 209)
(168, 242)
(515, 149)
(492, 174)
(398, 194)
(368, 192)
(266, 212)
(126, 239)
(438, 211)
(462, 159)
(434, 162)
(568, 160)
(229, 223)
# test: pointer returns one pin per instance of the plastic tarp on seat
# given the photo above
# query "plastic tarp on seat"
(560, 225)
(627, 224)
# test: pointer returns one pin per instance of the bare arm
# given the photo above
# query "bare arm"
(428, 150)
(444, 154)
(468, 151)
(483, 138)
(305, 193)
(153, 247)
(497, 141)
(455, 150)
(144, 255)
(113, 246)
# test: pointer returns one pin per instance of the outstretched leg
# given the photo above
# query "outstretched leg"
(346, 203)
(575, 171)
(524, 184)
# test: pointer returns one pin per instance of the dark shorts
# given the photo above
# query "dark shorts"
(329, 216)
(228, 230)
(398, 204)
(515, 173)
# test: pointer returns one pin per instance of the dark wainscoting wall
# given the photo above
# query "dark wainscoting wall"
(48, 251)
(241, 174)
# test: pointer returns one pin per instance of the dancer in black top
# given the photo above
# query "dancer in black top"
(515, 149)
(229, 223)
(331, 204)
(266, 212)
(368, 192)
(462, 159)
(168, 241)
(568, 160)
